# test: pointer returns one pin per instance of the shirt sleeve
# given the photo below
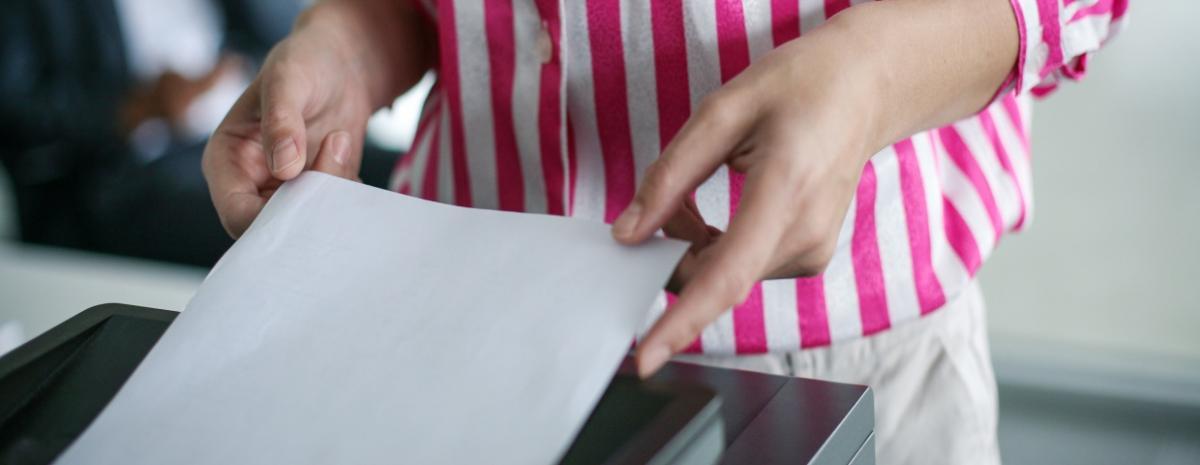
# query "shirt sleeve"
(1056, 38)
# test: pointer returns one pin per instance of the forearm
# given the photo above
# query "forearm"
(388, 44)
(926, 63)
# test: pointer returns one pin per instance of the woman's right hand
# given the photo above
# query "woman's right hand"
(309, 105)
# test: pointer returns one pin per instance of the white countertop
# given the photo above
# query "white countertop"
(42, 286)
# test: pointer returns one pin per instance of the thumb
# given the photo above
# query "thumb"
(283, 131)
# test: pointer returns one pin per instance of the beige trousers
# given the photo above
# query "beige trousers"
(935, 393)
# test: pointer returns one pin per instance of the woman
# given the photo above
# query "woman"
(841, 171)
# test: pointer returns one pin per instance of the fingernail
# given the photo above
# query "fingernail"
(284, 155)
(651, 359)
(341, 147)
(625, 224)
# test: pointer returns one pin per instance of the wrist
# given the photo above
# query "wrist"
(869, 85)
(926, 64)
(847, 86)
(383, 45)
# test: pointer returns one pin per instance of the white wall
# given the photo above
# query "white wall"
(1111, 265)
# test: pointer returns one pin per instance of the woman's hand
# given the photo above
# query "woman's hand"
(309, 105)
(800, 124)
(793, 124)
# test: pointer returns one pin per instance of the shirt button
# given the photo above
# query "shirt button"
(545, 47)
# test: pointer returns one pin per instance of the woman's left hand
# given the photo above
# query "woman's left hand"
(800, 123)
(793, 123)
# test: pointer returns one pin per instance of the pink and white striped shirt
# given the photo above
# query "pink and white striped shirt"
(558, 106)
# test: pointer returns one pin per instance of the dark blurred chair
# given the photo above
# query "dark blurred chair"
(65, 82)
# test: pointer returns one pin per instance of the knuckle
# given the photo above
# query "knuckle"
(731, 287)
(815, 241)
(281, 68)
(816, 260)
(661, 179)
(283, 79)
(806, 237)
(808, 268)
(718, 109)
(813, 246)
(824, 254)
(275, 120)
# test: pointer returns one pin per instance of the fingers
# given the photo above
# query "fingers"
(241, 209)
(234, 190)
(703, 144)
(334, 156)
(726, 272)
(687, 224)
(283, 130)
(239, 197)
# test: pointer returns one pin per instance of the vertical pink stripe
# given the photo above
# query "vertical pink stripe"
(833, 7)
(750, 331)
(785, 20)
(430, 184)
(424, 125)
(670, 67)
(749, 327)
(498, 24)
(960, 238)
(448, 49)
(612, 106)
(1051, 35)
(989, 128)
(864, 250)
(813, 317)
(550, 118)
(732, 44)
(1013, 110)
(930, 295)
(961, 155)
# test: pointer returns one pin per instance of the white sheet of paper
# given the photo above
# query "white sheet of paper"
(354, 325)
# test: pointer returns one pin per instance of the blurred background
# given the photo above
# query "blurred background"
(1094, 310)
